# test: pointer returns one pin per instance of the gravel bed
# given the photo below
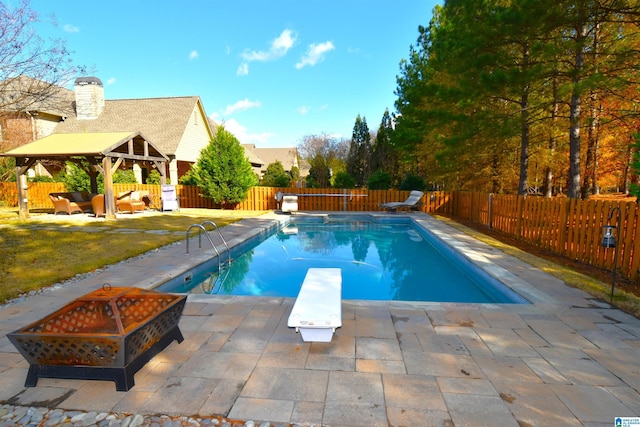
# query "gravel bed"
(11, 416)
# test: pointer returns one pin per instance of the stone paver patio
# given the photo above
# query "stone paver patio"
(565, 360)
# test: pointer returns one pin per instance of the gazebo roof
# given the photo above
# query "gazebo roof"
(126, 145)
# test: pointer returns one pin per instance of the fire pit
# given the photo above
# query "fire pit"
(108, 334)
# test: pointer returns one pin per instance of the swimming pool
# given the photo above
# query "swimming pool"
(382, 258)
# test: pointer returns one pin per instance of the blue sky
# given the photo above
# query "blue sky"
(272, 71)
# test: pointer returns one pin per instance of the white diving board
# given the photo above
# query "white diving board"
(317, 311)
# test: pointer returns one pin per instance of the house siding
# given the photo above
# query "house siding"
(196, 136)
(45, 124)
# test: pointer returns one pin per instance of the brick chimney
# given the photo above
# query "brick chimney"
(89, 97)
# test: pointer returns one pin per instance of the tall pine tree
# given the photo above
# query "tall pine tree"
(383, 154)
(359, 152)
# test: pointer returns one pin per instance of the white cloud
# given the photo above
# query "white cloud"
(243, 69)
(315, 54)
(241, 133)
(193, 55)
(279, 48)
(111, 81)
(71, 28)
(241, 105)
(303, 109)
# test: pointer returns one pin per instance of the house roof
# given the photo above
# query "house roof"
(24, 93)
(114, 144)
(251, 155)
(286, 156)
(163, 120)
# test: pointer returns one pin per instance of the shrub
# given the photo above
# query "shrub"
(412, 182)
(343, 179)
(276, 176)
(76, 179)
(379, 180)
(154, 177)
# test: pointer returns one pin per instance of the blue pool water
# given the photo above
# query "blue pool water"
(381, 259)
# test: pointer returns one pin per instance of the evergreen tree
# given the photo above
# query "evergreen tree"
(222, 172)
(383, 154)
(359, 152)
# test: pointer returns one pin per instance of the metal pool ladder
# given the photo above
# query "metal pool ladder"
(202, 229)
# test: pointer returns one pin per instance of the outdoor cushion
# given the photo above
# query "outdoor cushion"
(77, 197)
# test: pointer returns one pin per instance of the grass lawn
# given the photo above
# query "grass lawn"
(46, 249)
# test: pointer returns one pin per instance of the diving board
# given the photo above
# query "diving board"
(317, 311)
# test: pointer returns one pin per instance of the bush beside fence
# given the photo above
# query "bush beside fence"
(567, 227)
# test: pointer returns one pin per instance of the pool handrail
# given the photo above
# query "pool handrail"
(215, 227)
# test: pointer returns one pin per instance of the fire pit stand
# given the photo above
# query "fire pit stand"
(108, 334)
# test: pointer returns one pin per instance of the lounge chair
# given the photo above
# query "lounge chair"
(130, 202)
(412, 202)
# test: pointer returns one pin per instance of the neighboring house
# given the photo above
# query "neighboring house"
(177, 126)
(29, 110)
(261, 158)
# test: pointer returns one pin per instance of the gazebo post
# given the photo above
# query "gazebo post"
(109, 199)
(23, 194)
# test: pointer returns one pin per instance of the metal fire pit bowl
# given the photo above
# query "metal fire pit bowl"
(108, 334)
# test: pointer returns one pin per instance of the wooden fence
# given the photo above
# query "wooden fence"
(567, 227)
(259, 198)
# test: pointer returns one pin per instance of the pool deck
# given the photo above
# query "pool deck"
(565, 360)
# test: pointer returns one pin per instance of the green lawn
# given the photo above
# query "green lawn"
(44, 249)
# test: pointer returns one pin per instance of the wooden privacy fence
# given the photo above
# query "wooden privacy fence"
(568, 227)
(259, 198)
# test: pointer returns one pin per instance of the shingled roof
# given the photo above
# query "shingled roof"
(162, 120)
(24, 93)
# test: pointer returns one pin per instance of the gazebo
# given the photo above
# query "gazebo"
(104, 152)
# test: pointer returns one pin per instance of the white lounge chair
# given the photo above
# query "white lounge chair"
(317, 311)
(412, 202)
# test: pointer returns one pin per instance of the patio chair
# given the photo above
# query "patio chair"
(412, 202)
(97, 202)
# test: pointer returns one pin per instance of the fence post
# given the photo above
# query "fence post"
(519, 209)
(344, 199)
(490, 212)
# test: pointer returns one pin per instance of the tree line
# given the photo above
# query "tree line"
(523, 95)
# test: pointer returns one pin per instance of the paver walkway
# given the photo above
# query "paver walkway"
(566, 360)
